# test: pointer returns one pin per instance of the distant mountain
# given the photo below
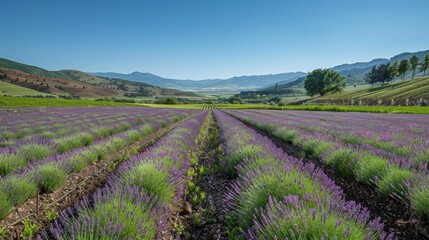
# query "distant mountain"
(234, 83)
(346, 67)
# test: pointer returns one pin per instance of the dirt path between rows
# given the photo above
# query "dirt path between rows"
(206, 220)
(396, 217)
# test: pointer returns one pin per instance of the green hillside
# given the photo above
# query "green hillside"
(14, 90)
(5, 63)
(416, 91)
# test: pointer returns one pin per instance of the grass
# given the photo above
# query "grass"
(54, 102)
(331, 108)
(14, 90)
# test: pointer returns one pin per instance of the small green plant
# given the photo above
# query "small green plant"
(29, 229)
(3, 232)
(52, 215)
(179, 227)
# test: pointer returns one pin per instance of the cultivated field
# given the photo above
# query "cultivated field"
(210, 173)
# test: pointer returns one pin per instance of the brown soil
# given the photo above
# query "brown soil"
(57, 86)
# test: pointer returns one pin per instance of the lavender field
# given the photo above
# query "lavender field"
(153, 173)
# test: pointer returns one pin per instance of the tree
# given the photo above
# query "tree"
(425, 65)
(393, 69)
(414, 61)
(381, 74)
(404, 66)
(371, 76)
(322, 81)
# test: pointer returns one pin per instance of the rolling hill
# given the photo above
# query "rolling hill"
(408, 92)
(75, 83)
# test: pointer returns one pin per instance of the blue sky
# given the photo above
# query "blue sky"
(198, 39)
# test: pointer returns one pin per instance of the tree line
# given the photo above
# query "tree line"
(385, 73)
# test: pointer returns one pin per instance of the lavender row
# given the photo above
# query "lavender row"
(52, 172)
(402, 137)
(34, 150)
(276, 196)
(38, 127)
(140, 196)
(391, 176)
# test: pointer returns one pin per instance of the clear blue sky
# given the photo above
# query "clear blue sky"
(197, 39)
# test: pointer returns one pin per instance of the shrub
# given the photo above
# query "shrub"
(18, 189)
(309, 146)
(48, 134)
(146, 129)
(117, 143)
(37, 151)
(235, 158)
(9, 162)
(369, 168)
(134, 136)
(104, 131)
(146, 176)
(174, 119)
(48, 177)
(420, 200)
(284, 134)
(5, 205)
(276, 185)
(345, 161)
(394, 182)
(163, 124)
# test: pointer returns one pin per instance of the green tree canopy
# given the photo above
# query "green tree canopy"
(425, 65)
(404, 66)
(414, 61)
(322, 81)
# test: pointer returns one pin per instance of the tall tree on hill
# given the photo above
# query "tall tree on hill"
(414, 61)
(425, 65)
(371, 76)
(322, 81)
(404, 66)
(393, 69)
